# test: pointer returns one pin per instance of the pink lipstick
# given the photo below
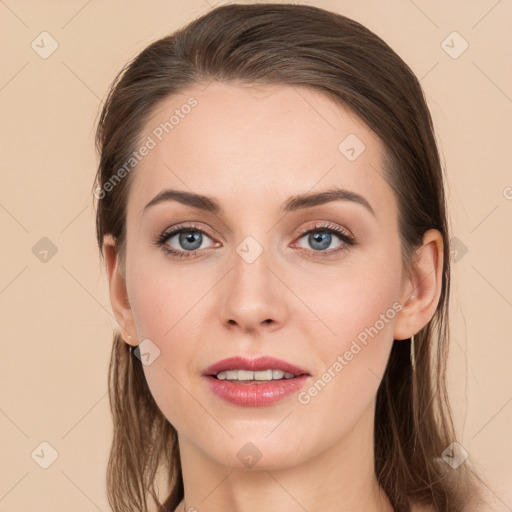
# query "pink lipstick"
(254, 382)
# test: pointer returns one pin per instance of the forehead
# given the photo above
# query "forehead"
(238, 142)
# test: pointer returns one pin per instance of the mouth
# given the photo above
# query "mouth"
(248, 376)
(262, 369)
(255, 383)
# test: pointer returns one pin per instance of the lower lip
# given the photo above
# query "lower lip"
(257, 394)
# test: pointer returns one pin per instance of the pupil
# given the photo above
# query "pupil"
(325, 237)
(190, 238)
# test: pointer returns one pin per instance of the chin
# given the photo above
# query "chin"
(261, 454)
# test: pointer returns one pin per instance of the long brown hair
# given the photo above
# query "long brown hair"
(293, 45)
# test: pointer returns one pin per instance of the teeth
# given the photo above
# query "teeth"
(263, 375)
(277, 374)
(250, 375)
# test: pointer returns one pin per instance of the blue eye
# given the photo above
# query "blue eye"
(320, 238)
(190, 240)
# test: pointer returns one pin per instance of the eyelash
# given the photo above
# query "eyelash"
(348, 240)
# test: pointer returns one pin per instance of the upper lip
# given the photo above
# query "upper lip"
(261, 363)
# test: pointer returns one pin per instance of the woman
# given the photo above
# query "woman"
(272, 216)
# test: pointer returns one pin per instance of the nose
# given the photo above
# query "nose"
(253, 297)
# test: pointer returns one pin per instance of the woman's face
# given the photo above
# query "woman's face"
(264, 275)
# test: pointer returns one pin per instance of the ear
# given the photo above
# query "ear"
(118, 293)
(420, 294)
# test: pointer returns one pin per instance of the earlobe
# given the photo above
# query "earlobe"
(118, 292)
(421, 292)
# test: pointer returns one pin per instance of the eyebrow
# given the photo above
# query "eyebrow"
(294, 203)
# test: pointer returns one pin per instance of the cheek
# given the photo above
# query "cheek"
(354, 302)
(365, 307)
(160, 297)
(357, 308)
(167, 309)
(362, 313)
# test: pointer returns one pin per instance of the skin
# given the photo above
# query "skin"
(252, 148)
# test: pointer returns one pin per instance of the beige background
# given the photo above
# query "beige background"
(56, 320)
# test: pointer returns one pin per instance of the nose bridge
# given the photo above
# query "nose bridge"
(251, 293)
(250, 276)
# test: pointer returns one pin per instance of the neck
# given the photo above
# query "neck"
(340, 478)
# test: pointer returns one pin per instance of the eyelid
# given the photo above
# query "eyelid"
(342, 233)
(346, 237)
(316, 226)
(328, 226)
(188, 226)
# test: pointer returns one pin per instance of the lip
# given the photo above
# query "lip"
(256, 394)
(261, 363)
